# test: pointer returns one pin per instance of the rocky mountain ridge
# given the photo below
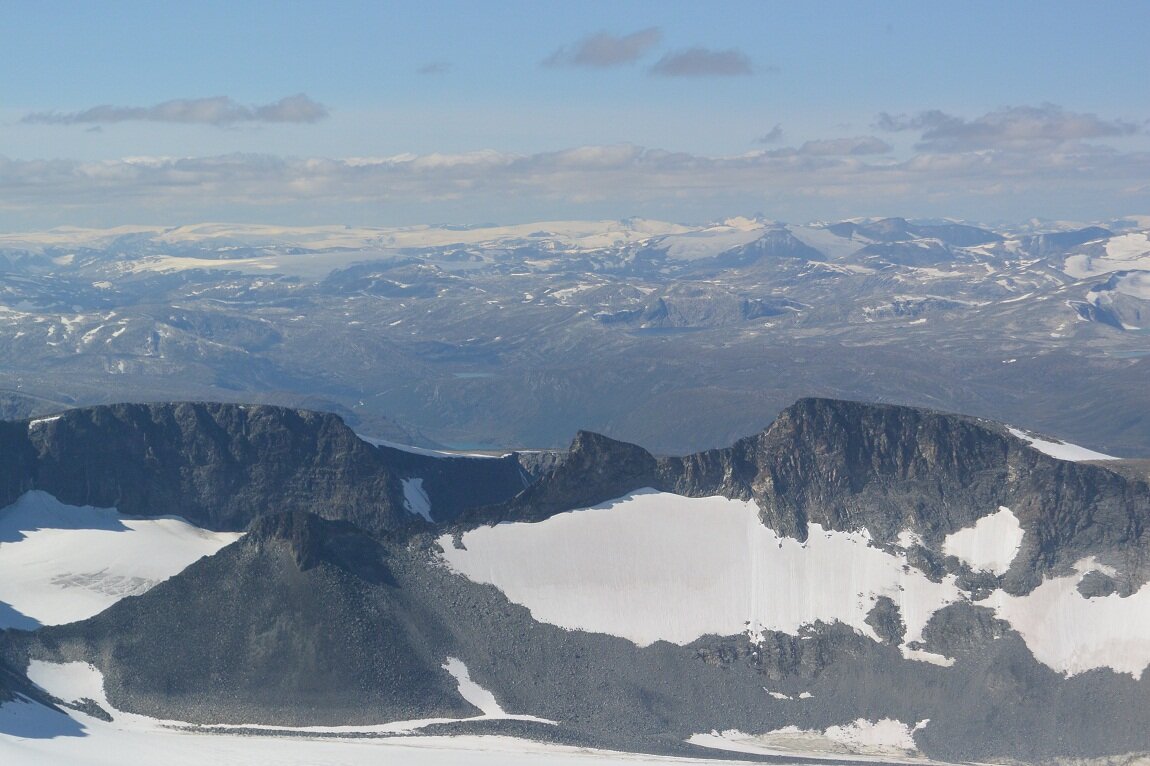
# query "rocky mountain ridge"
(345, 609)
(851, 466)
(674, 337)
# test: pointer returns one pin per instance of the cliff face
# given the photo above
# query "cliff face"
(336, 608)
(882, 468)
(220, 466)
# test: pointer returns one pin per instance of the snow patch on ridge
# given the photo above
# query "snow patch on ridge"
(1060, 450)
(73, 682)
(656, 566)
(471, 691)
(990, 545)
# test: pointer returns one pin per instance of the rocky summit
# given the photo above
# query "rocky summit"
(855, 579)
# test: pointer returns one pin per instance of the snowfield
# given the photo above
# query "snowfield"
(654, 566)
(885, 740)
(62, 563)
(990, 545)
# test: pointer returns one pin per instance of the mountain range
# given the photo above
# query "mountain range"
(855, 580)
(681, 338)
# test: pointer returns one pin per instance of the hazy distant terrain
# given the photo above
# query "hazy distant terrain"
(676, 337)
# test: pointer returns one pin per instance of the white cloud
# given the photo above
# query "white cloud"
(216, 110)
(1058, 175)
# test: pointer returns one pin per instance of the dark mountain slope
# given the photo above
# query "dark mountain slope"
(300, 622)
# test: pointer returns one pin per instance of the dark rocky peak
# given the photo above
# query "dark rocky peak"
(217, 465)
(884, 230)
(774, 243)
(849, 465)
(595, 469)
(884, 468)
(313, 541)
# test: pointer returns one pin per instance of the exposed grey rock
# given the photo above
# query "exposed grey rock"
(1097, 584)
(886, 619)
(314, 620)
(885, 469)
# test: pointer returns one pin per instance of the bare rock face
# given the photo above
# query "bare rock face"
(884, 469)
(222, 465)
(217, 465)
(336, 608)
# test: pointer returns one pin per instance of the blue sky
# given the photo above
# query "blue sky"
(375, 113)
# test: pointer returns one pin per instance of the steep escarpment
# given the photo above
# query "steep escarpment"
(222, 465)
(216, 465)
(886, 469)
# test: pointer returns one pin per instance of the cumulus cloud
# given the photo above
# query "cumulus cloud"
(702, 62)
(606, 50)
(623, 174)
(1017, 128)
(850, 175)
(216, 110)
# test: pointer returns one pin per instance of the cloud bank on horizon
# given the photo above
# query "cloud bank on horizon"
(216, 110)
(694, 117)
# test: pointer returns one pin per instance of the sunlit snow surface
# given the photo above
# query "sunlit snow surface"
(1060, 450)
(656, 566)
(990, 545)
(32, 735)
(1073, 634)
(61, 563)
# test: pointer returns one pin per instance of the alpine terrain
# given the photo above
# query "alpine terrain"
(672, 336)
(855, 581)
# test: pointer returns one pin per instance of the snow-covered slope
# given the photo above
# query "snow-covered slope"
(654, 566)
(62, 563)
